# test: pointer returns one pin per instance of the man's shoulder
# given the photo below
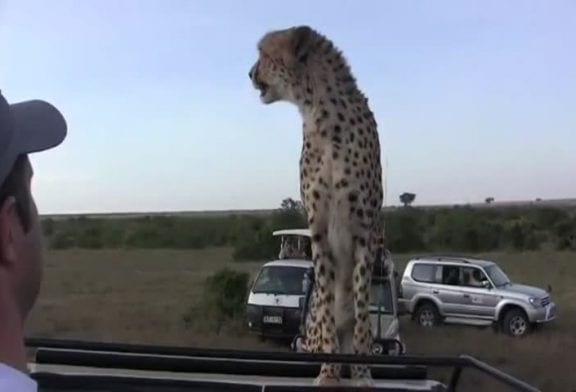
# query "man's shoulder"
(14, 380)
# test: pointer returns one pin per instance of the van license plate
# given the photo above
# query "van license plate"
(272, 319)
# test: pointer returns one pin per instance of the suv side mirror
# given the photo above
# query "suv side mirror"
(486, 284)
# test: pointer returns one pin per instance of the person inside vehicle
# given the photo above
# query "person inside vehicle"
(273, 281)
(307, 279)
(476, 278)
(25, 128)
(382, 254)
(452, 277)
(287, 249)
(306, 248)
(292, 248)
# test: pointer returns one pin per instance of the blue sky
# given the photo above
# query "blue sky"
(473, 98)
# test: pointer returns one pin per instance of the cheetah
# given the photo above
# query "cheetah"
(340, 185)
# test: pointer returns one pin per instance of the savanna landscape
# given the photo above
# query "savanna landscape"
(151, 280)
(185, 129)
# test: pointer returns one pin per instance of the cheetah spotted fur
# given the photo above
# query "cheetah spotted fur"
(340, 185)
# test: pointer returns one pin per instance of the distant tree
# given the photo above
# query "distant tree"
(290, 204)
(538, 200)
(407, 198)
(290, 215)
(489, 200)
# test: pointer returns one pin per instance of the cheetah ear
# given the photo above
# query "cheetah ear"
(301, 40)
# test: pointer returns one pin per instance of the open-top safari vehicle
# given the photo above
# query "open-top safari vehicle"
(82, 366)
(68, 365)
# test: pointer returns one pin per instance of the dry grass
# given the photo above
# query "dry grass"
(130, 296)
(149, 296)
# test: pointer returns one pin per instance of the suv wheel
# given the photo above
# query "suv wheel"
(515, 323)
(427, 315)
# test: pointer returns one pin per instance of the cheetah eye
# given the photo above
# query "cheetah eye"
(265, 59)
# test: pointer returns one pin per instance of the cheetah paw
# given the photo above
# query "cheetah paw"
(325, 381)
(363, 382)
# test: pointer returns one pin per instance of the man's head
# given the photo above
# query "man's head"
(25, 128)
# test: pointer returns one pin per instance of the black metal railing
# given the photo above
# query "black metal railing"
(263, 363)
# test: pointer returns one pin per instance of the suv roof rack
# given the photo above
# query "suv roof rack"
(444, 258)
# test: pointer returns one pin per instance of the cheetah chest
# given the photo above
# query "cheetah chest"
(335, 171)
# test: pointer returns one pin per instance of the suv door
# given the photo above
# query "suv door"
(441, 282)
(422, 282)
(450, 291)
(481, 301)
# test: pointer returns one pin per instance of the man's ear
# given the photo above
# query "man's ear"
(8, 220)
(301, 40)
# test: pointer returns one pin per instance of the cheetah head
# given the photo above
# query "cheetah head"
(282, 63)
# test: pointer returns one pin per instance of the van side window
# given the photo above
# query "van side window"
(424, 273)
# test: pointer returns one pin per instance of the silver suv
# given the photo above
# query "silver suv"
(471, 291)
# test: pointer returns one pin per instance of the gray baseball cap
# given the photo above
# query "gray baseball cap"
(27, 127)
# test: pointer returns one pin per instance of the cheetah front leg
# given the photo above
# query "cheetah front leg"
(362, 339)
(312, 336)
(324, 270)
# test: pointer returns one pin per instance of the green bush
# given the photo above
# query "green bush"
(404, 230)
(458, 229)
(61, 240)
(226, 292)
(257, 247)
(221, 308)
(565, 233)
(48, 226)
(91, 238)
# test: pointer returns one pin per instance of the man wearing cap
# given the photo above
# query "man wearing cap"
(25, 128)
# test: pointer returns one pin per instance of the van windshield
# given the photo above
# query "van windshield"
(280, 280)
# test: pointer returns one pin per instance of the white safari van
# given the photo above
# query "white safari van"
(383, 312)
(273, 302)
(279, 296)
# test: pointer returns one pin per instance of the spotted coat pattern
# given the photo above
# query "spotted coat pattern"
(340, 185)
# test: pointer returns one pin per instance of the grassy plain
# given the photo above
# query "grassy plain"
(153, 297)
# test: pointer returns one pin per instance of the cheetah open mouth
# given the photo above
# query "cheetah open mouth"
(263, 87)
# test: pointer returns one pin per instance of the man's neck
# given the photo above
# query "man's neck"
(12, 349)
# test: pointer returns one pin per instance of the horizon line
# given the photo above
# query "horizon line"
(560, 202)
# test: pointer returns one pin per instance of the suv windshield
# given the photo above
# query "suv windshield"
(497, 275)
(280, 280)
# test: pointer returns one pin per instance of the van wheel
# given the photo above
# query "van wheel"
(296, 344)
(427, 315)
(377, 348)
(515, 323)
